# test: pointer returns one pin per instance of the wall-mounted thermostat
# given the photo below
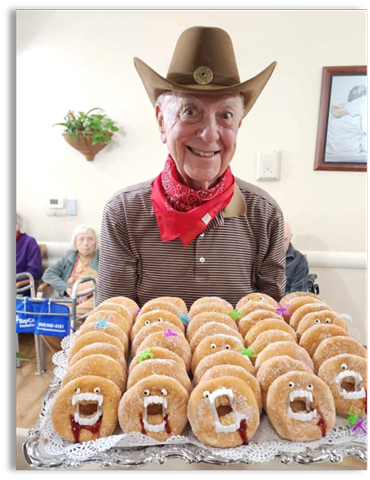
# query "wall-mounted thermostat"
(56, 203)
(268, 165)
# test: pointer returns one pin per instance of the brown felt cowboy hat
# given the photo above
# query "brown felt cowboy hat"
(203, 63)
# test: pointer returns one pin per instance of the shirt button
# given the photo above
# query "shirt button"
(202, 235)
(202, 259)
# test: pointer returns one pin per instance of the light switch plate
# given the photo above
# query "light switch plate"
(268, 165)
(71, 207)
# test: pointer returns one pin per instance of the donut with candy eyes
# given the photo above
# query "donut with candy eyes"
(312, 337)
(288, 309)
(177, 301)
(300, 406)
(304, 310)
(267, 338)
(284, 348)
(268, 324)
(154, 317)
(207, 317)
(291, 296)
(114, 307)
(217, 307)
(210, 329)
(156, 353)
(335, 346)
(205, 300)
(159, 305)
(214, 344)
(126, 302)
(250, 320)
(325, 317)
(253, 306)
(109, 316)
(256, 297)
(151, 328)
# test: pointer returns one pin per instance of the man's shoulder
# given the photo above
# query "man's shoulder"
(138, 191)
(250, 191)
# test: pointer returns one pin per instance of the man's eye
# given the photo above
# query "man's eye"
(190, 112)
(227, 115)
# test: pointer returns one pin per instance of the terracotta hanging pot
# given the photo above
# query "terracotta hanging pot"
(84, 145)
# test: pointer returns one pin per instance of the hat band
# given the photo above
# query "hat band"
(188, 79)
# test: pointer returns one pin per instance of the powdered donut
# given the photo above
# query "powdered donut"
(169, 368)
(223, 412)
(256, 297)
(273, 368)
(159, 305)
(224, 357)
(100, 349)
(315, 318)
(213, 344)
(156, 406)
(268, 324)
(296, 303)
(156, 353)
(336, 346)
(346, 376)
(151, 328)
(132, 306)
(170, 340)
(109, 329)
(293, 295)
(238, 372)
(250, 320)
(283, 348)
(79, 420)
(112, 317)
(203, 300)
(115, 307)
(153, 317)
(268, 337)
(312, 337)
(250, 307)
(301, 312)
(93, 337)
(213, 328)
(207, 307)
(99, 366)
(203, 318)
(178, 302)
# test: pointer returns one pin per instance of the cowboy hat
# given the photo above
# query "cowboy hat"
(203, 63)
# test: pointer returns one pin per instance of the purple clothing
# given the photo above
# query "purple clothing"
(29, 256)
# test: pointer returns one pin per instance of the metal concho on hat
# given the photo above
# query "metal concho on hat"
(203, 75)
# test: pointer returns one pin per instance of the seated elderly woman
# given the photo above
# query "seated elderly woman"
(195, 230)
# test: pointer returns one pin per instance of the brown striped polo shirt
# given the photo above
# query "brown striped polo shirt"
(240, 252)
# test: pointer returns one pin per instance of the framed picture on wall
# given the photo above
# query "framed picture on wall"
(341, 143)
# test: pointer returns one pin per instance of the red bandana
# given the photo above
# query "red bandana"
(183, 212)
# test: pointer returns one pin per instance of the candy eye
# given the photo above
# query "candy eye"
(146, 392)
(250, 300)
(327, 320)
(310, 387)
(96, 390)
(213, 345)
(160, 319)
(291, 384)
(227, 347)
(261, 299)
(147, 322)
(78, 390)
(164, 391)
(344, 366)
(206, 394)
(317, 320)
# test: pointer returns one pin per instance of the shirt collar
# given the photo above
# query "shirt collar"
(236, 206)
(290, 252)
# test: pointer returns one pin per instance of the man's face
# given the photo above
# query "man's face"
(200, 132)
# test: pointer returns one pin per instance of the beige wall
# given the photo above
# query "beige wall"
(83, 59)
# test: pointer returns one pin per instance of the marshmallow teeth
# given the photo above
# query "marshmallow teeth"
(149, 402)
(88, 408)
(306, 397)
(349, 377)
(201, 153)
(223, 398)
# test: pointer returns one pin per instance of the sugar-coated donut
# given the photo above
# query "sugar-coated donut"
(225, 357)
(203, 300)
(207, 307)
(153, 317)
(313, 336)
(269, 337)
(172, 341)
(296, 303)
(250, 320)
(177, 301)
(291, 296)
(323, 317)
(77, 419)
(206, 317)
(156, 406)
(283, 348)
(151, 328)
(109, 316)
(304, 310)
(223, 412)
(100, 349)
(132, 306)
(250, 307)
(268, 324)
(93, 337)
(256, 297)
(99, 366)
(169, 368)
(300, 406)
(335, 346)
(159, 305)
(238, 372)
(273, 368)
(213, 344)
(213, 328)
(156, 352)
(115, 307)
(109, 329)
(346, 376)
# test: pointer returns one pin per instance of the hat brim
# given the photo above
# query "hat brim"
(155, 85)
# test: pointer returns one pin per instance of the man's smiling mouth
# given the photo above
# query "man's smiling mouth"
(202, 153)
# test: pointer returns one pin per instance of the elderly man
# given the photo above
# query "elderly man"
(195, 230)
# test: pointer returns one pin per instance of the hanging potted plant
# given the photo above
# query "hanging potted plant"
(88, 132)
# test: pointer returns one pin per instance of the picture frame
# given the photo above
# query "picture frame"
(341, 143)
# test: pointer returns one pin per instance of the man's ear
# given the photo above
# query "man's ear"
(160, 120)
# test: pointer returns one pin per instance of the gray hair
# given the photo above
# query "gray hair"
(83, 229)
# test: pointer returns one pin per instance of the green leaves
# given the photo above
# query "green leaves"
(22, 357)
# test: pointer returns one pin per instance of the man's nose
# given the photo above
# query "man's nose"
(209, 132)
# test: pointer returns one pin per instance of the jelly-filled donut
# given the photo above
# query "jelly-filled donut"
(169, 368)
(267, 338)
(225, 357)
(300, 406)
(132, 306)
(108, 316)
(324, 317)
(93, 337)
(213, 328)
(289, 309)
(86, 409)
(238, 372)
(256, 297)
(156, 353)
(304, 310)
(217, 307)
(223, 412)
(156, 406)
(335, 346)
(273, 368)
(312, 337)
(114, 307)
(155, 316)
(100, 349)
(213, 344)
(250, 320)
(204, 300)
(100, 366)
(291, 296)
(177, 301)
(207, 317)
(346, 376)
(108, 328)
(250, 307)
(284, 348)
(268, 324)
(159, 305)
(170, 340)
(151, 328)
